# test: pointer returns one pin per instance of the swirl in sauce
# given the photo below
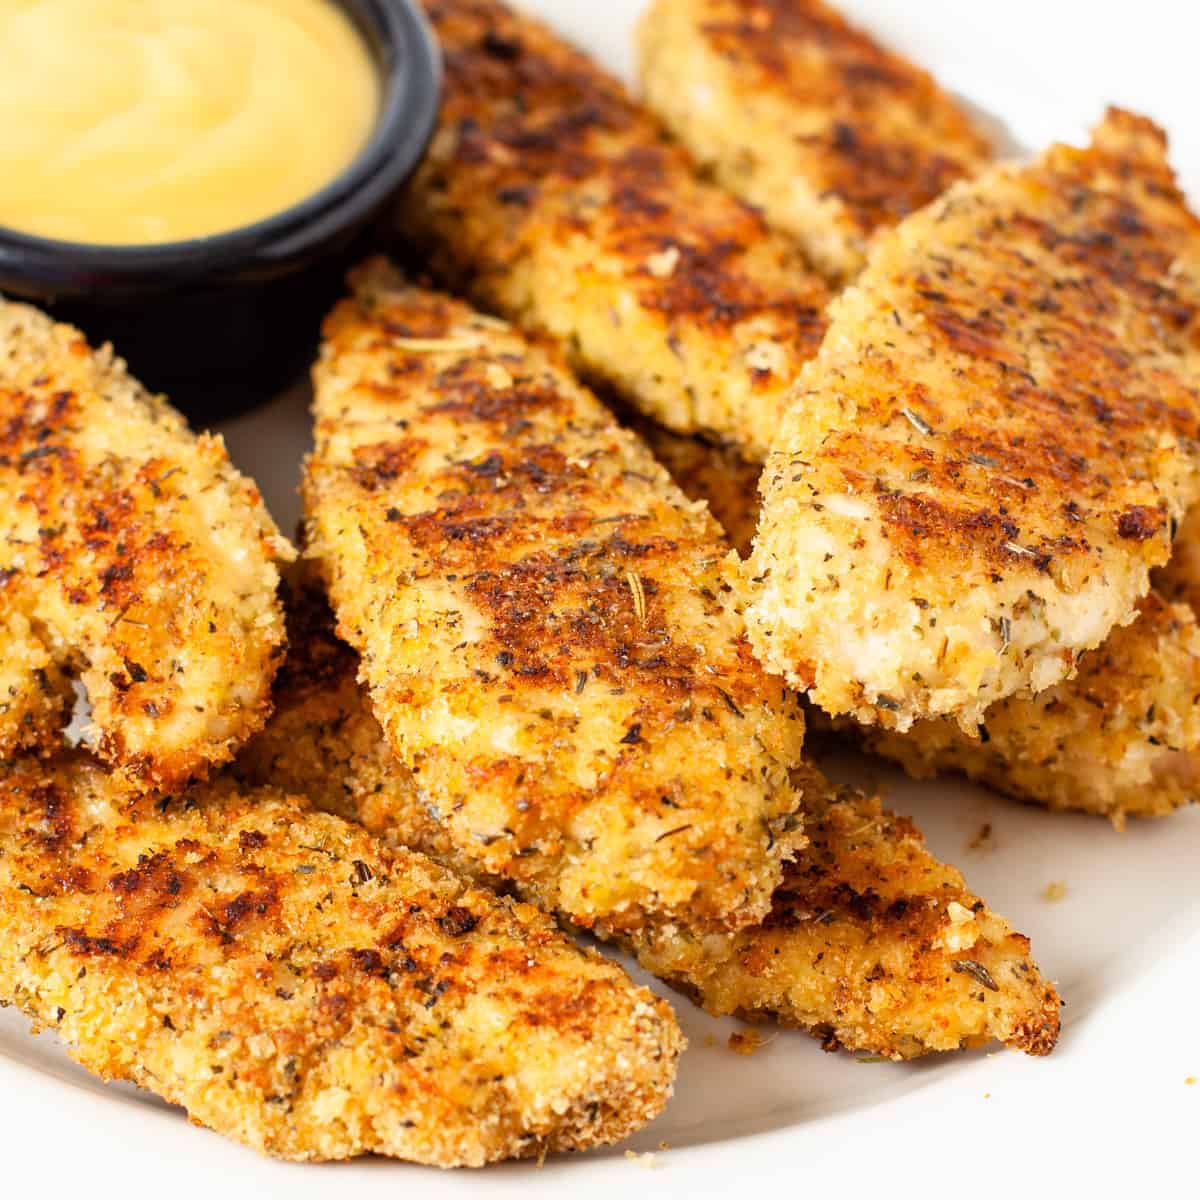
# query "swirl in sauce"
(148, 121)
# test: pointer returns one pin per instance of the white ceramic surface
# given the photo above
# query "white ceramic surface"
(1112, 1105)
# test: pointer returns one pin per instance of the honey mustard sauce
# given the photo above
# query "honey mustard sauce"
(150, 121)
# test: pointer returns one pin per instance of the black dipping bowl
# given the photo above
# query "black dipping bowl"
(220, 323)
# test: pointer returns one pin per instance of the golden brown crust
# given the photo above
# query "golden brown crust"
(324, 742)
(554, 199)
(1120, 739)
(301, 988)
(985, 461)
(871, 944)
(860, 945)
(546, 623)
(724, 479)
(131, 553)
(806, 116)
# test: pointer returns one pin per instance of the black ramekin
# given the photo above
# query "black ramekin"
(220, 323)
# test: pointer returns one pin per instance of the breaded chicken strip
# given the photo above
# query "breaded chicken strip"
(1122, 738)
(806, 116)
(298, 986)
(548, 626)
(870, 943)
(131, 553)
(985, 461)
(555, 200)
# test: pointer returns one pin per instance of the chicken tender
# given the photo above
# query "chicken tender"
(800, 113)
(133, 555)
(985, 461)
(870, 944)
(305, 990)
(553, 199)
(1122, 738)
(548, 626)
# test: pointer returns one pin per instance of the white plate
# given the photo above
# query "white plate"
(1111, 1105)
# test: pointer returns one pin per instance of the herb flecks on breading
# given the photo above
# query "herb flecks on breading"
(553, 198)
(133, 555)
(548, 625)
(799, 112)
(1041, 322)
(862, 936)
(300, 987)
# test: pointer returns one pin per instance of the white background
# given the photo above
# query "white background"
(1110, 1107)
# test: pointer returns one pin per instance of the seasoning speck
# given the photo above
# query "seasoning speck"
(917, 421)
(1054, 891)
(765, 357)
(639, 594)
(977, 971)
(982, 838)
(747, 1042)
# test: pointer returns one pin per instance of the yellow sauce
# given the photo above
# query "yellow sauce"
(148, 121)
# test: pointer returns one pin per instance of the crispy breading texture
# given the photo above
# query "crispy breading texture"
(806, 116)
(548, 626)
(861, 944)
(871, 944)
(131, 553)
(718, 475)
(1120, 739)
(554, 199)
(323, 741)
(300, 987)
(985, 461)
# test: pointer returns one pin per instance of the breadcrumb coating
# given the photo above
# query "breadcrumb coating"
(1120, 739)
(547, 625)
(986, 460)
(804, 115)
(133, 555)
(300, 987)
(553, 199)
(724, 479)
(864, 933)
(871, 944)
